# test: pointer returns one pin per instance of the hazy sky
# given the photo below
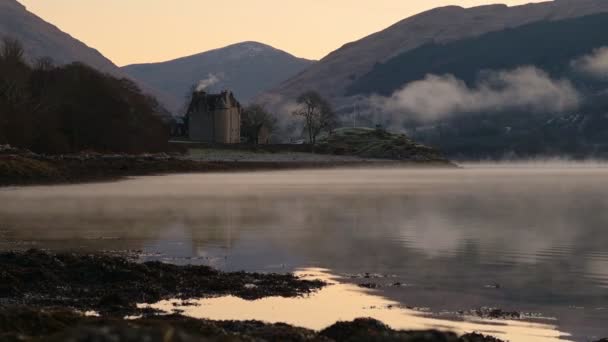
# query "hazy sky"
(136, 31)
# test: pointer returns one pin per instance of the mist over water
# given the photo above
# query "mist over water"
(450, 235)
(542, 163)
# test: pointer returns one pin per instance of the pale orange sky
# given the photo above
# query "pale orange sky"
(139, 31)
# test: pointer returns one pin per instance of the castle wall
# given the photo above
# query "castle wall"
(235, 127)
(221, 124)
(227, 126)
(201, 126)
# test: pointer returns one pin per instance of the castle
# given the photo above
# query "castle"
(214, 118)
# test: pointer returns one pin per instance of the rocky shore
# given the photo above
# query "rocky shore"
(114, 285)
(44, 297)
(57, 325)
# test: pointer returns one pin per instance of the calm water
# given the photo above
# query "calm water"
(531, 239)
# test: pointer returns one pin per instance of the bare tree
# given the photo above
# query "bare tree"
(317, 113)
(12, 51)
(254, 119)
(44, 64)
(73, 108)
(14, 71)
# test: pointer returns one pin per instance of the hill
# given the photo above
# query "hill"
(547, 45)
(540, 127)
(504, 81)
(42, 39)
(246, 68)
(333, 74)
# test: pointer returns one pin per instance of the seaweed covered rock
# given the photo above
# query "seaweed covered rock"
(116, 285)
(31, 325)
(367, 329)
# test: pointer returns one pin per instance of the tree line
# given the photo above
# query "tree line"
(72, 108)
(315, 113)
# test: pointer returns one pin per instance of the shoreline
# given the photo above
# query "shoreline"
(57, 297)
(18, 168)
(114, 285)
(56, 324)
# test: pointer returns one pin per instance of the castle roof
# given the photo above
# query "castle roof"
(213, 102)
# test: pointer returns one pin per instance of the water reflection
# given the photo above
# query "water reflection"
(537, 233)
(346, 302)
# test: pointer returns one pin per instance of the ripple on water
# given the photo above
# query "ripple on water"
(597, 269)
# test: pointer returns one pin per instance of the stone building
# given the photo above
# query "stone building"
(214, 118)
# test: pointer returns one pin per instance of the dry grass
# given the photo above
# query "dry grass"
(19, 170)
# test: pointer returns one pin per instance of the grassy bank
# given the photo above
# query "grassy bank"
(26, 168)
(17, 170)
(377, 143)
(344, 144)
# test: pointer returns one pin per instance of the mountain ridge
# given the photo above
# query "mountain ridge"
(43, 39)
(53, 34)
(243, 43)
(248, 68)
(335, 72)
(549, 46)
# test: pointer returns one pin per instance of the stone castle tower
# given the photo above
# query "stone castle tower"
(214, 118)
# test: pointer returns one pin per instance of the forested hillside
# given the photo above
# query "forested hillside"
(73, 107)
(550, 46)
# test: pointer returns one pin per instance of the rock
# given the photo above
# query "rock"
(34, 325)
(114, 285)
(368, 329)
(493, 313)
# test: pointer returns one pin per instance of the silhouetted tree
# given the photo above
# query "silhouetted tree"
(254, 119)
(14, 98)
(317, 113)
(12, 51)
(73, 107)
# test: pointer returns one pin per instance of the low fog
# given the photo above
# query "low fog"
(525, 88)
(594, 64)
